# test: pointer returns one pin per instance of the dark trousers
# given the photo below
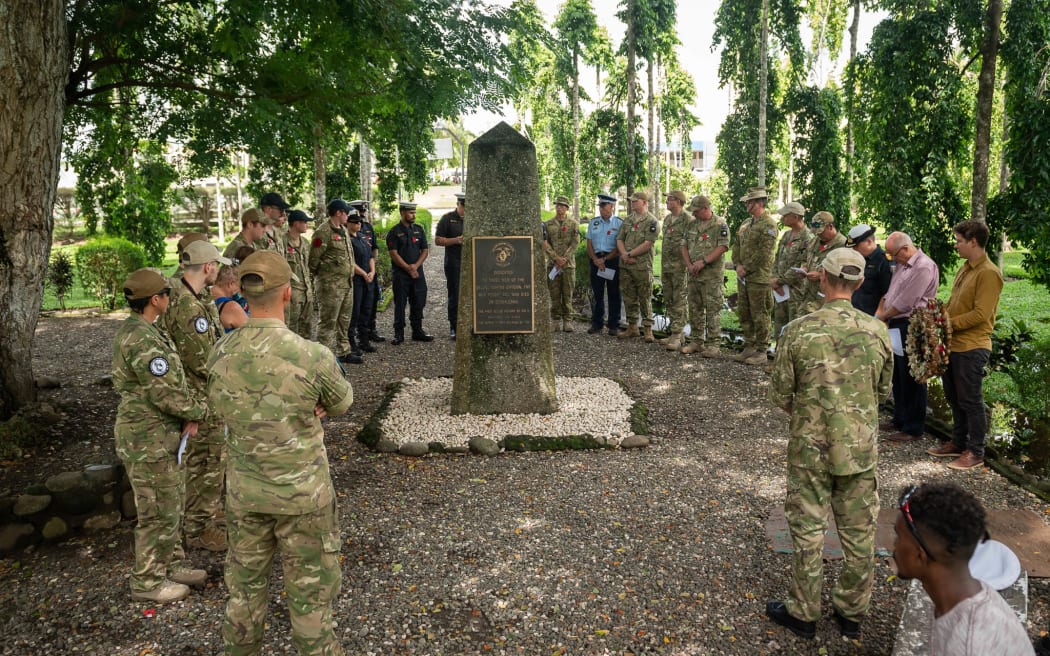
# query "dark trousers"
(599, 286)
(452, 284)
(362, 311)
(377, 293)
(412, 292)
(962, 387)
(909, 396)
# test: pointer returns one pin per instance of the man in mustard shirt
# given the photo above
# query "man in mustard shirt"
(971, 308)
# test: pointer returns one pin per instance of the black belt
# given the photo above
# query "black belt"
(602, 253)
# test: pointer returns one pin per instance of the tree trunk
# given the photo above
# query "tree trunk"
(985, 95)
(34, 68)
(1004, 173)
(763, 83)
(654, 182)
(851, 91)
(575, 132)
(631, 94)
(320, 170)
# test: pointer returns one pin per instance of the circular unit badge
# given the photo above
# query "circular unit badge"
(158, 366)
(200, 324)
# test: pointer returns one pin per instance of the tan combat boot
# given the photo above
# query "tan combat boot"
(188, 576)
(566, 325)
(758, 358)
(165, 593)
(744, 355)
(673, 342)
(649, 338)
(710, 352)
(632, 331)
(692, 347)
(555, 325)
(211, 538)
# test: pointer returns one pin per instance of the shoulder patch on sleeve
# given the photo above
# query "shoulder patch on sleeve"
(158, 366)
(200, 324)
(652, 226)
(725, 230)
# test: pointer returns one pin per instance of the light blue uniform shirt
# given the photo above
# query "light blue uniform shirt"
(602, 234)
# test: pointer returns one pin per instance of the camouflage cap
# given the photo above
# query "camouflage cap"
(144, 283)
(792, 208)
(844, 263)
(253, 215)
(640, 195)
(678, 195)
(188, 239)
(271, 269)
(563, 200)
(202, 252)
(858, 234)
(699, 203)
(821, 220)
(755, 193)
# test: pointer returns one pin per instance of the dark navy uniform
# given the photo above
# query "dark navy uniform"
(362, 309)
(449, 227)
(410, 242)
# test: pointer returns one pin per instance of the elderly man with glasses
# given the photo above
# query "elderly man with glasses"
(913, 284)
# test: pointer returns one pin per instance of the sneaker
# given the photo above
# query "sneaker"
(847, 627)
(778, 612)
(945, 450)
(165, 593)
(211, 538)
(968, 460)
(192, 577)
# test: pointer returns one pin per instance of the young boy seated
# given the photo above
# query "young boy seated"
(938, 528)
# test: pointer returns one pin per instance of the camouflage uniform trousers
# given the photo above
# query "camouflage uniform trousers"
(300, 314)
(205, 472)
(673, 281)
(335, 298)
(706, 296)
(561, 289)
(309, 546)
(753, 306)
(854, 500)
(636, 287)
(158, 488)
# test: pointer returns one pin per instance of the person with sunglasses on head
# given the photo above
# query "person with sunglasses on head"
(828, 238)
(937, 531)
(156, 408)
(832, 369)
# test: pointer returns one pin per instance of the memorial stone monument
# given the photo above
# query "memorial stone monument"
(504, 360)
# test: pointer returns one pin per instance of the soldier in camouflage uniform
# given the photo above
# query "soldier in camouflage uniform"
(297, 253)
(562, 238)
(828, 239)
(703, 250)
(753, 258)
(155, 408)
(673, 276)
(832, 369)
(638, 235)
(174, 280)
(274, 207)
(253, 229)
(193, 324)
(272, 387)
(332, 265)
(791, 257)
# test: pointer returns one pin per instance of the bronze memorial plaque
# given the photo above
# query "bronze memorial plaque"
(504, 297)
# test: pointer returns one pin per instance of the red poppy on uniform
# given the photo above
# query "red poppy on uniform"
(414, 240)
(317, 242)
(564, 228)
(704, 238)
(335, 237)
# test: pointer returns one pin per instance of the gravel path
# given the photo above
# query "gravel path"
(653, 551)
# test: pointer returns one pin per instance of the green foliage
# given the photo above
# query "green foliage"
(1031, 376)
(605, 162)
(343, 178)
(913, 130)
(16, 434)
(737, 31)
(820, 177)
(104, 263)
(1009, 337)
(737, 149)
(1024, 210)
(60, 276)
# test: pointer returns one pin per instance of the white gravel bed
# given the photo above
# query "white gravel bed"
(586, 406)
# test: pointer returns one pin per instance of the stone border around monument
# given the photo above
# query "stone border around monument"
(411, 422)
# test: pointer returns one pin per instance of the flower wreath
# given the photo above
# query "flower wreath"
(929, 332)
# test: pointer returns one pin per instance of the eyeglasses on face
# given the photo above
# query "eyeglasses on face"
(904, 505)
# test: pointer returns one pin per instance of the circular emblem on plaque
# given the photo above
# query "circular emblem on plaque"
(504, 253)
